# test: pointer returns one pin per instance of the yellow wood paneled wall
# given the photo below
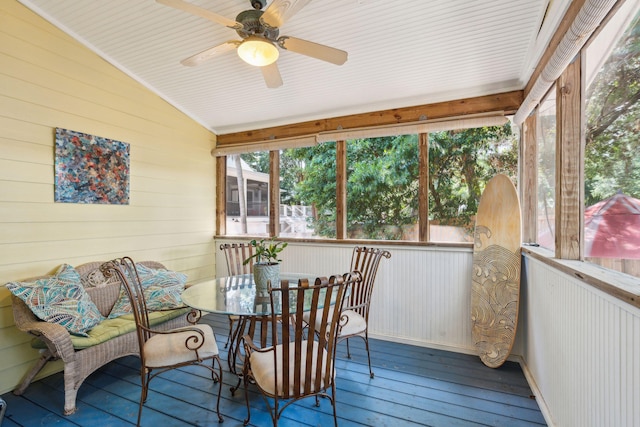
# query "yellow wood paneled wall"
(48, 80)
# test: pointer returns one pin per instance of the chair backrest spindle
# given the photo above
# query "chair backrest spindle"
(235, 254)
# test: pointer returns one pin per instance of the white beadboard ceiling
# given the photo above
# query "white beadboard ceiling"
(401, 53)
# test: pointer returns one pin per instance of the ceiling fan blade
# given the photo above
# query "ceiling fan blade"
(279, 11)
(195, 10)
(271, 75)
(314, 50)
(206, 54)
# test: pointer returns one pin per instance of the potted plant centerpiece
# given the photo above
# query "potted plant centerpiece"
(266, 267)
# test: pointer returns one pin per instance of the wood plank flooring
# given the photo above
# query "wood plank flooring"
(413, 386)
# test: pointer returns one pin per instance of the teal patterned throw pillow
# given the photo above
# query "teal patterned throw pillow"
(162, 289)
(60, 299)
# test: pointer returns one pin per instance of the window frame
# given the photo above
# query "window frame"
(457, 122)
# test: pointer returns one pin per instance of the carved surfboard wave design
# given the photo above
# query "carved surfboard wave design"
(495, 285)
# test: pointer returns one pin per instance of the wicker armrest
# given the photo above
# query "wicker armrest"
(57, 338)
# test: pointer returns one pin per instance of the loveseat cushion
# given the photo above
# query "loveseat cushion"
(111, 328)
(61, 299)
(162, 289)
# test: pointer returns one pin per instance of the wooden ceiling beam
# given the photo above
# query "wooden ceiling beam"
(508, 102)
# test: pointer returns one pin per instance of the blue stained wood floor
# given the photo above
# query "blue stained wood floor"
(413, 386)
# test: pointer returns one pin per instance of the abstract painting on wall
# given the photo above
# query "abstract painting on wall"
(91, 169)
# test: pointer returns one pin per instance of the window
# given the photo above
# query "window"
(461, 162)
(612, 145)
(546, 139)
(382, 188)
(247, 203)
(308, 191)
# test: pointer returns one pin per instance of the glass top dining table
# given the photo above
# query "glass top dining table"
(234, 295)
(237, 296)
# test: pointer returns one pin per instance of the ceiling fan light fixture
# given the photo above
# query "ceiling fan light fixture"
(258, 51)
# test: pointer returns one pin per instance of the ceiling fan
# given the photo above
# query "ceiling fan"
(260, 35)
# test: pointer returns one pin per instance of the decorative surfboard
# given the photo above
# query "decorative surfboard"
(495, 287)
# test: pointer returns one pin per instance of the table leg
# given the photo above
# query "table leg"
(246, 325)
(235, 356)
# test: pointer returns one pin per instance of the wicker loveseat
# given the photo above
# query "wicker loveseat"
(113, 338)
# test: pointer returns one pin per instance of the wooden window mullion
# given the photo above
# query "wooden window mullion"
(274, 193)
(568, 163)
(423, 184)
(221, 195)
(529, 180)
(341, 190)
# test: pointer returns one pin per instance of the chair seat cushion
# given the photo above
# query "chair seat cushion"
(355, 324)
(262, 368)
(171, 349)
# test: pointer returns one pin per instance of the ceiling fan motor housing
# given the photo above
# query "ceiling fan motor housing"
(250, 20)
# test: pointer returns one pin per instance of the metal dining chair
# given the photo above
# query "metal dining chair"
(366, 260)
(298, 365)
(161, 351)
(235, 254)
